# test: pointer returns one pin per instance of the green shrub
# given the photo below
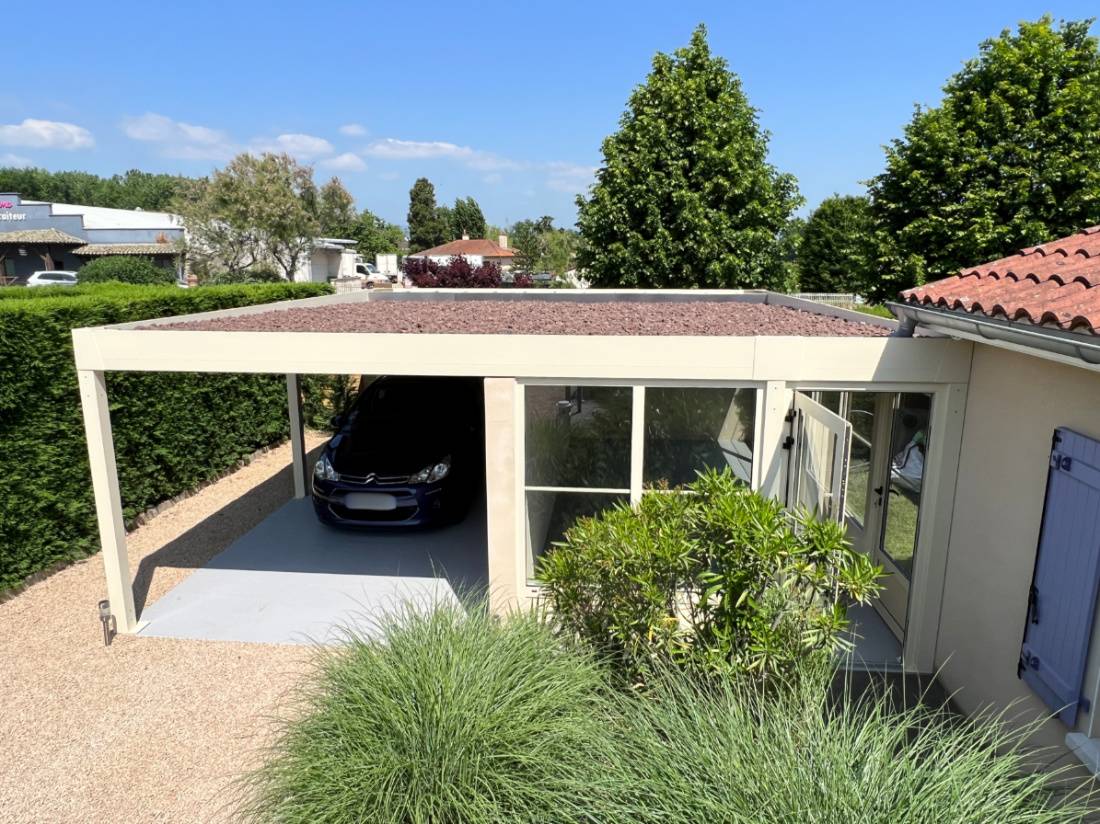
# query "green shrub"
(172, 432)
(717, 578)
(124, 269)
(729, 750)
(259, 273)
(445, 718)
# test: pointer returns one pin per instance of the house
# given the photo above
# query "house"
(953, 442)
(475, 251)
(35, 235)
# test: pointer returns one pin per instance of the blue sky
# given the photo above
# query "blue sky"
(507, 102)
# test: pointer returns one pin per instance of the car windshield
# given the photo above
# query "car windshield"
(401, 403)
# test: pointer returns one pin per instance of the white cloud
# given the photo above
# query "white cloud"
(353, 130)
(178, 139)
(46, 134)
(569, 177)
(9, 159)
(493, 178)
(301, 146)
(391, 148)
(346, 162)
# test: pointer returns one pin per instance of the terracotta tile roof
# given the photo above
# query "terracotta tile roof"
(97, 249)
(1055, 284)
(473, 246)
(33, 236)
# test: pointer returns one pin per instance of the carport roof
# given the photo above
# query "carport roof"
(708, 315)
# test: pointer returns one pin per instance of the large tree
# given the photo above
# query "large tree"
(255, 210)
(1011, 157)
(686, 196)
(336, 209)
(427, 227)
(838, 250)
(467, 218)
(133, 190)
(375, 236)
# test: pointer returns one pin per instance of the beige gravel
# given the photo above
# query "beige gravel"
(149, 729)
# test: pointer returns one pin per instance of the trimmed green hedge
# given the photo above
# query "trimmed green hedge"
(172, 431)
(126, 269)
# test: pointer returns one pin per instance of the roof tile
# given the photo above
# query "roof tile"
(1052, 284)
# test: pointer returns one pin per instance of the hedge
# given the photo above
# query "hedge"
(172, 431)
(126, 269)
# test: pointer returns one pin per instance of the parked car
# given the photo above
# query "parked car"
(408, 453)
(52, 277)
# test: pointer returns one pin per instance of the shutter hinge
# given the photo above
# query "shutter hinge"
(1033, 604)
(788, 442)
(789, 416)
(1060, 461)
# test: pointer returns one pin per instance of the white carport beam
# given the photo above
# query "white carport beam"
(297, 435)
(108, 502)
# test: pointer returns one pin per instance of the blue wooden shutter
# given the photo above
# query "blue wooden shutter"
(1062, 599)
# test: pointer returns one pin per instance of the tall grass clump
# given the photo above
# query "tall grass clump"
(447, 716)
(736, 750)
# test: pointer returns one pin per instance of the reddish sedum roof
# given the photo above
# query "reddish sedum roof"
(471, 246)
(543, 317)
(1056, 284)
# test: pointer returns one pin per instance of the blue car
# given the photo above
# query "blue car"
(410, 452)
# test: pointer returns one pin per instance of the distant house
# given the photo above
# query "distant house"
(475, 251)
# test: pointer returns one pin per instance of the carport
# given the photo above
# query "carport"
(778, 374)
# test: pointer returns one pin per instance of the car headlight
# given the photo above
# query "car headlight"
(323, 470)
(433, 473)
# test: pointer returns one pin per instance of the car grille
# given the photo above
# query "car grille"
(380, 480)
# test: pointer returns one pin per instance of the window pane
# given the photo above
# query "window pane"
(692, 429)
(908, 448)
(830, 400)
(861, 414)
(550, 514)
(578, 436)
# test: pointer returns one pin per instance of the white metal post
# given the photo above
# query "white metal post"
(108, 502)
(770, 458)
(297, 435)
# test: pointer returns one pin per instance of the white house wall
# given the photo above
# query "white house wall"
(1015, 401)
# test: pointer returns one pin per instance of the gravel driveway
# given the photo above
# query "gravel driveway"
(149, 729)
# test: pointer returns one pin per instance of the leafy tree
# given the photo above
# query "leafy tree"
(838, 252)
(559, 251)
(467, 219)
(1011, 157)
(529, 245)
(374, 236)
(256, 209)
(132, 190)
(426, 224)
(336, 210)
(685, 196)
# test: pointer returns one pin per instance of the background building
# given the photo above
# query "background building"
(35, 235)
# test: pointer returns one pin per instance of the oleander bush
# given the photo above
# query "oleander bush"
(713, 576)
(125, 269)
(444, 718)
(172, 431)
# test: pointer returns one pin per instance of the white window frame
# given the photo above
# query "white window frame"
(637, 448)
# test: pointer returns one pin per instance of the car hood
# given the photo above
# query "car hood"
(386, 453)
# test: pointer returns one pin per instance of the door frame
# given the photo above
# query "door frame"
(937, 508)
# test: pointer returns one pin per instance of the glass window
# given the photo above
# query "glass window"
(550, 514)
(578, 436)
(690, 429)
(908, 449)
(861, 415)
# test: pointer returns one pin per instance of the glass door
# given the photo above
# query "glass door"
(897, 494)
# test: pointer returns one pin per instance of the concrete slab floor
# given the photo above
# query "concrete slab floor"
(291, 579)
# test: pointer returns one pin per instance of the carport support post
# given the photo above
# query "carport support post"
(108, 502)
(297, 435)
